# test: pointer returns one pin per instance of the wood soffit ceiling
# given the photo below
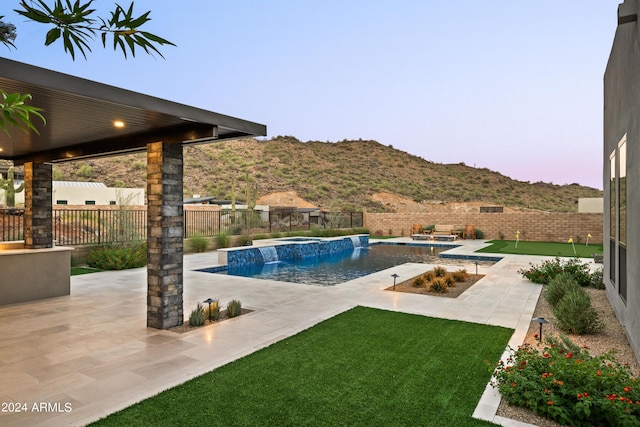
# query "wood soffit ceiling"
(81, 113)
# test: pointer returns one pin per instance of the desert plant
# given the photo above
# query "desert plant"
(197, 316)
(439, 271)
(9, 188)
(197, 243)
(596, 279)
(418, 282)
(558, 287)
(460, 275)
(574, 313)
(213, 310)
(429, 276)
(449, 280)
(84, 171)
(234, 308)
(438, 285)
(223, 240)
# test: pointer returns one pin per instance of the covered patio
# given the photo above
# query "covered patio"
(86, 119)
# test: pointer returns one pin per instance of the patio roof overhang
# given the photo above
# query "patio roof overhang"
(81, 116)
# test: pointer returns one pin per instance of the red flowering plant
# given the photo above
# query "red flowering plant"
(565, 383)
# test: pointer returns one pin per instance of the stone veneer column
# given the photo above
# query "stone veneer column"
(38, 229)
(165, 232)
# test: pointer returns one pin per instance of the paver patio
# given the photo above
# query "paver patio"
(89, 354)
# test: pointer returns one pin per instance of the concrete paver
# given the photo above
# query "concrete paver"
(90, 354)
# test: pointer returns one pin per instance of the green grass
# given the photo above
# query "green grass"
(542, 248)
(362, 367)
(75, 271)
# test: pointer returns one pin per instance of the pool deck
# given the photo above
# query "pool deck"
(89, 354)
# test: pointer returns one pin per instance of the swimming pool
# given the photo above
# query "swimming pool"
(331, 269)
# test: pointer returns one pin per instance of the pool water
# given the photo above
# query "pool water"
(340, 267)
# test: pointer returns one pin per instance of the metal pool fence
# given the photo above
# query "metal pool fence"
(98, 226)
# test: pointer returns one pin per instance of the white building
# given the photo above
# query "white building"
(89, 193)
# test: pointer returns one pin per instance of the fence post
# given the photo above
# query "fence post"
(184, 214)
(99, 230)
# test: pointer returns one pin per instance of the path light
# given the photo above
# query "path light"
(541, 321)
(395, 276)
(209, 301)
(476, 263)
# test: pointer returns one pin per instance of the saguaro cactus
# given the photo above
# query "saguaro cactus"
(10, 189)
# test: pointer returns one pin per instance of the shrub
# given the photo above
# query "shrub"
(571, 387)
(438, 285)
(245, 240)
(579, 270)
(439, 271)
(460, 275)
(479, 234)
(223, 240)
(574, 313)
(234, 308)
(197, 316)
(558, 287)
(118, 257)
(198, 244)
(549, 269)
(418, 282)
(596, 279)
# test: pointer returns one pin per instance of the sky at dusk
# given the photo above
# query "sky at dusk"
(513, 86)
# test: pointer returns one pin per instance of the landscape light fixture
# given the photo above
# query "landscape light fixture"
(209, 301)
(476, 263)
(541, 321)
(395, 276)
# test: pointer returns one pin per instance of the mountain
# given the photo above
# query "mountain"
(349, 175)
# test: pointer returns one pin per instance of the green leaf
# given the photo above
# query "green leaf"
(52, 36)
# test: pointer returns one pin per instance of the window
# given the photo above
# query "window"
(622, 218)
(112, 202)
(612, 218)
(89, 202)
(61, 202)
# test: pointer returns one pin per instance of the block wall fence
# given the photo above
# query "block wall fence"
(533, 226)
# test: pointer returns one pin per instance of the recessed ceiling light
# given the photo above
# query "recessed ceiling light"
(118, 123)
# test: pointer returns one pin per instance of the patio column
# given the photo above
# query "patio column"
(165, 232)
(38, 233)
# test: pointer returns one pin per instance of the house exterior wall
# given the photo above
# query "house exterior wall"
(79, 195)
(622, 124)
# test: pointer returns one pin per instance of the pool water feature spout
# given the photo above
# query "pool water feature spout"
(269, 254)
(357, 243)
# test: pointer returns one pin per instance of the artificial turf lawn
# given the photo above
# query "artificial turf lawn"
(75, 271)
(542, 248)
(362, 367)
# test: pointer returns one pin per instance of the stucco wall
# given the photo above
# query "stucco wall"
(534, 226)
(621, 117)
(28, 275)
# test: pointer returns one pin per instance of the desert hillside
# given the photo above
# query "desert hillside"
(351, 175)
